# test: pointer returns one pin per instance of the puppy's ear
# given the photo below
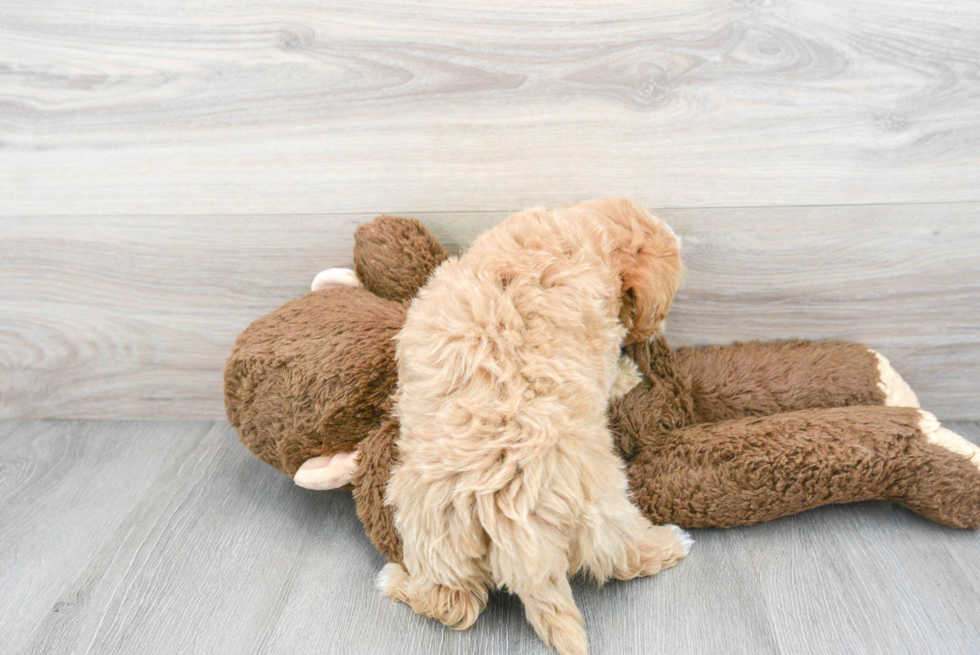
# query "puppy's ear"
(650, 288)
(627, 311)
(646, 253)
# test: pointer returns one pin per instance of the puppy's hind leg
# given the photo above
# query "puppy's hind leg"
(444, 574)
(457, 606)
(619, 542)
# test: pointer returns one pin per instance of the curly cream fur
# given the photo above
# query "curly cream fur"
(506, 364)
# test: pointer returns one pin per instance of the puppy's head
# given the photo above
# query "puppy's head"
(647, 254)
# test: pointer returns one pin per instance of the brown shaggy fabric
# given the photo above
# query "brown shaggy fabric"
(756, 469)
(394, 256)
(379, 454)
(712, 437)
(763, 378)
(314, 376)
(662, 401)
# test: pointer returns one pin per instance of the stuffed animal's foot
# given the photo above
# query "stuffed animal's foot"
(941, 479)
(938, 435)
(660, 547)
(897, 391)
(333, 472)
(335, 277)
(456, 608)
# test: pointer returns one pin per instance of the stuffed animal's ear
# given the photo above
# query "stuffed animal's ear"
(394, 256)
(333, 472)
(335, 277)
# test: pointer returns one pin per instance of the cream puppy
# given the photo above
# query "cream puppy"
(506, 365)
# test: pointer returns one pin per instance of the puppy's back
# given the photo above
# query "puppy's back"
(527, 308)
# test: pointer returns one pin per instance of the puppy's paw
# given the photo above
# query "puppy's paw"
(684, 537)
(660, 547)
(391, 581)
(627, 377)
(455, 608)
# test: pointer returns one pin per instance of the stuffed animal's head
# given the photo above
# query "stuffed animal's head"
(305, 384)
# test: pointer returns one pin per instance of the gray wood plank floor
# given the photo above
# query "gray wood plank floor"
(168, 537)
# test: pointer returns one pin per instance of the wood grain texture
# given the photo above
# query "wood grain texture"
(134, 316)
(141, 313)
(869, 578)
(65, 490)
(296, 106)
(138, 536)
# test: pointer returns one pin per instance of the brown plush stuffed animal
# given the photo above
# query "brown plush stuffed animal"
(712, 437)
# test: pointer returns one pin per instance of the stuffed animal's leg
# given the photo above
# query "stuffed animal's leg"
(950, 495)
(764, 378)
(754, 469)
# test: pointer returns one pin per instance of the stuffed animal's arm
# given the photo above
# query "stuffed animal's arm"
(394, 256)
(755, 469)
(763, 378)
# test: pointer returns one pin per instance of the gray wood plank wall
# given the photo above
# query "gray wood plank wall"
(246, 106)
(169, 172)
